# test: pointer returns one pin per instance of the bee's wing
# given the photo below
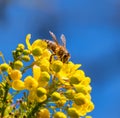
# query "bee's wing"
(54, 37)
(63, 40)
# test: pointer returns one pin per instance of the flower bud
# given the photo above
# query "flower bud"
(4, 67)
(80, 99)
(55, 96)
(21, 46)
(43, 113)
(37, 51)
(70, 94)
(90, 107)
(59, 115)
(81, 88)
(18, 49)
(26, 58)
(57, 65)
(73, 113)
(45, 76)
(41, 91)
(26, 52)
(74, 80)
(18, 64)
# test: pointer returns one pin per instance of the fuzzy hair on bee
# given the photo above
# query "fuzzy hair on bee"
(58, 50)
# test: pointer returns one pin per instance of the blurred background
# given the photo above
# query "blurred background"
(92, 30)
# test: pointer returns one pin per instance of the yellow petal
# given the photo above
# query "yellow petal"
(30, 83)
(40, 43)
(36, 72)
(28, 41)
(43, 113)
(18, 85)
(42, 99)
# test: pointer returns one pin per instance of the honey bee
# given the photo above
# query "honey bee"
(59, 51)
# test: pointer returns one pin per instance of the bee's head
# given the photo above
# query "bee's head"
(66, 57)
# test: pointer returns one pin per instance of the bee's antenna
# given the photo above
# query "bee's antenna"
(54, 37)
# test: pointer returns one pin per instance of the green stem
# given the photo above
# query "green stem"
(4, 99)
(27, 67)
(35, 109)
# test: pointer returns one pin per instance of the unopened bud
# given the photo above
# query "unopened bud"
(21, 46)
(18, 64)
(37, 51)
(57, 65)
(26, 52)
(55, 96)
(26, 58)
(80, 99)
(70, 94)
(59, 115)
(4, 67)
(41, 91)
(73, 113)
(45, 76)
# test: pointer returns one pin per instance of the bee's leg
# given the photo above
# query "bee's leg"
(51, 57)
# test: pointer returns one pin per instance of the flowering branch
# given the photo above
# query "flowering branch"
(56, 87)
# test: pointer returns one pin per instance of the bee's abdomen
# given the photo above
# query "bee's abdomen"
(51, 45)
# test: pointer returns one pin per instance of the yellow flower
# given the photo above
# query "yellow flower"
(86, 81)
(66, 72)
(73, 113)
(44, 64)
(85, 108)
(82, 88)
(33, 96)
(90, 106)
(70, 93)
(56, 65)
(18, 64)
(80, 99)
(44, 79)
(18, 85)
(37, 48)
(61, 101)
(41, 99)
(30, 83)
(55, 96)
(15, 74)
(43, 113)
(77, 77)
(59, 115)
(46, 55)
(41, 91)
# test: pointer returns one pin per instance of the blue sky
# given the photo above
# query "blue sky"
(92, 31)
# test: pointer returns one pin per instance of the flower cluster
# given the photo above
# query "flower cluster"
(54, 89)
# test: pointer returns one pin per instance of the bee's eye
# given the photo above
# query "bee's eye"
(66, 57)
